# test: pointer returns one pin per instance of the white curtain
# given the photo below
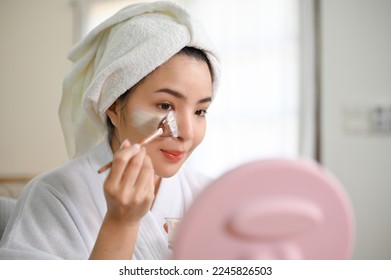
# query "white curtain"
(256, 112)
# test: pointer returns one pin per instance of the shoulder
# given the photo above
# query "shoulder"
(75, 184)
(69, 171)
(60, 179)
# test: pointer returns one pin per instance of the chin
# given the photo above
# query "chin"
(167, 171)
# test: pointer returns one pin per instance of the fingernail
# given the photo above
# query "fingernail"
(124, 144)
(137, 146)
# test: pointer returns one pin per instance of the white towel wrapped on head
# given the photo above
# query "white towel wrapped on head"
(115, 56)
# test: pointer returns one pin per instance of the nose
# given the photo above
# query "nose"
(185, 126)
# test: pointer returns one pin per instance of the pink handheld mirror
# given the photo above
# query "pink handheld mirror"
(269, 209)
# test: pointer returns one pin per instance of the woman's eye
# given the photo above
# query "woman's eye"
(165, 106)
(201, 113)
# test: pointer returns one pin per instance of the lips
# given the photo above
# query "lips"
(173, 156)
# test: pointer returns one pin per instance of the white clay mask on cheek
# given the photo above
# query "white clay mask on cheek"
(146, 122)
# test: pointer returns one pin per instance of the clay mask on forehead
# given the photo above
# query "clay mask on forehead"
(146, 122)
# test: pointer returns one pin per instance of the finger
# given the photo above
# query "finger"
(132, 170)
(120, 162)
(146, 173)
(145, 183)
(151, 186)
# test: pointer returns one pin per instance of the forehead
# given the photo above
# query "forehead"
(184, 74)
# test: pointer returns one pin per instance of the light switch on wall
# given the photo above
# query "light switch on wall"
(367, 118)
(381, 119)
(356, 119)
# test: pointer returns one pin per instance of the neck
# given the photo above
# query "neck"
(114, 144)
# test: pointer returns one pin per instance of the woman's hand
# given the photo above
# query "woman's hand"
(129, 190)
(129, 187)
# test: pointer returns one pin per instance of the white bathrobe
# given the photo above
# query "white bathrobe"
(59, 214)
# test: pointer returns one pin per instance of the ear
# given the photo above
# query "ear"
(114, 114)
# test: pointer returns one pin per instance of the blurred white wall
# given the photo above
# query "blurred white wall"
(35, 37)
(355, 76)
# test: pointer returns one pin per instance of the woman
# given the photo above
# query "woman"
(150, 57)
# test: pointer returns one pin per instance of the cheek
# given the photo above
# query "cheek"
(199, 133)
(138, 124)
(145, 122)
(126, 131)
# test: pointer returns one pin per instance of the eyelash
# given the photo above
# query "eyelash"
(169, 107)
(163, 106)
(201, 113)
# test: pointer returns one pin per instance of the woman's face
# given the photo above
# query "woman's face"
(183, 84)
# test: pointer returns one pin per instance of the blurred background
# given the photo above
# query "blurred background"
(301, 78)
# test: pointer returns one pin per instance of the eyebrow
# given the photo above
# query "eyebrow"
(181, 96)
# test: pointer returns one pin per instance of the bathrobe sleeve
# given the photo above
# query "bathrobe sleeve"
(59, 214)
